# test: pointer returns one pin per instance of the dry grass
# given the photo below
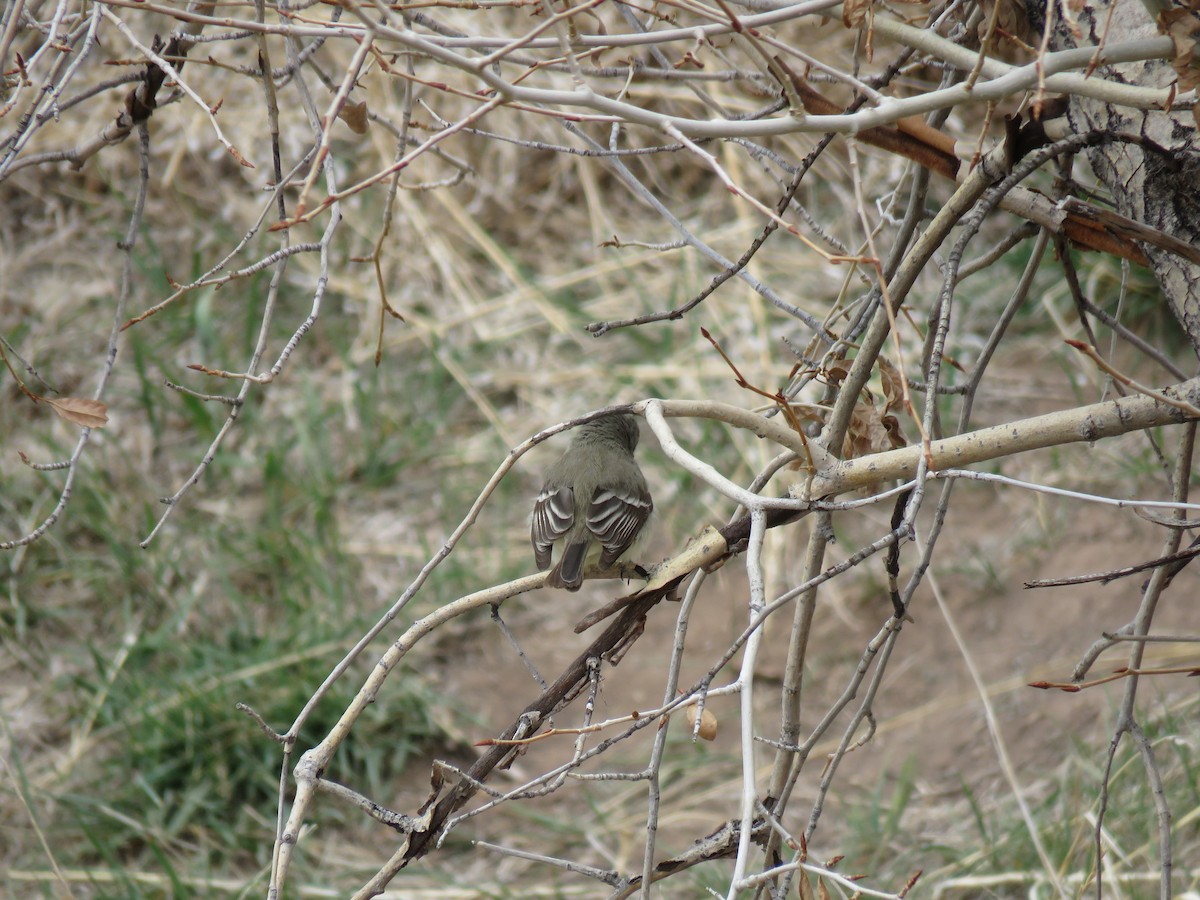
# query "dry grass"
(128, 772)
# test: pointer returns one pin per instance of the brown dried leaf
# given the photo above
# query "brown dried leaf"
(804, 887)
(1182, 26)
(854, 12)
(798, 414)
(355, 115)
(822, 891)
(837, 371)
(80, 410)
(892, 425)
(893, 384)
(1011, 19)
(870, 431)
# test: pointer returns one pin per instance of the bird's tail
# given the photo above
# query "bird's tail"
(569, 571)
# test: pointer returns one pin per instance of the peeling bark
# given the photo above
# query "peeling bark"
(1156, 182)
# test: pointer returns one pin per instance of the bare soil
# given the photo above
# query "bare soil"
(931, 724)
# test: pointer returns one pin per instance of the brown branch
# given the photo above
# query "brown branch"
(1083, 225)
(625, 629)
(1123, 672)
(913, 139)
(1091, 353)
(1118, 227)
(789, 413)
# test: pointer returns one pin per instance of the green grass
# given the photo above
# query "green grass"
(250, 595)
(990, 840)
(255, 588)
(122, 666)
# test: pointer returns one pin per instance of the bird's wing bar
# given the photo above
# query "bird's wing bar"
(615, 517)
(553, 513)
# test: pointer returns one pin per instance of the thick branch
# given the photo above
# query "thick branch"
(624, 628)
(1084, 423)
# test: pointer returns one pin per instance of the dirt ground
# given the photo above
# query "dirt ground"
(931, 723)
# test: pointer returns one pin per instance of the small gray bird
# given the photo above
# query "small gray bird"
(594, 501)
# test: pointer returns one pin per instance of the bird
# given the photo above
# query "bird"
(594, 501)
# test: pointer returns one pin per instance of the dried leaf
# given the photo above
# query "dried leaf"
(80, 410)
(1011, 19)
(822, 891)
(708, 721)
(1182, 26)
(355, 115)
(837, 371)
(893, 384)
(854, 12)
(892, 426)
(803, 886)
(869, 432)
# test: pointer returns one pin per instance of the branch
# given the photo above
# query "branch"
(1084, 423)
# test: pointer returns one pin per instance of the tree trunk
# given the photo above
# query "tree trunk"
(1156, 183)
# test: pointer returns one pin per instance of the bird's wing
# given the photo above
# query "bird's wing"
(615, 517)
(553, 514)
